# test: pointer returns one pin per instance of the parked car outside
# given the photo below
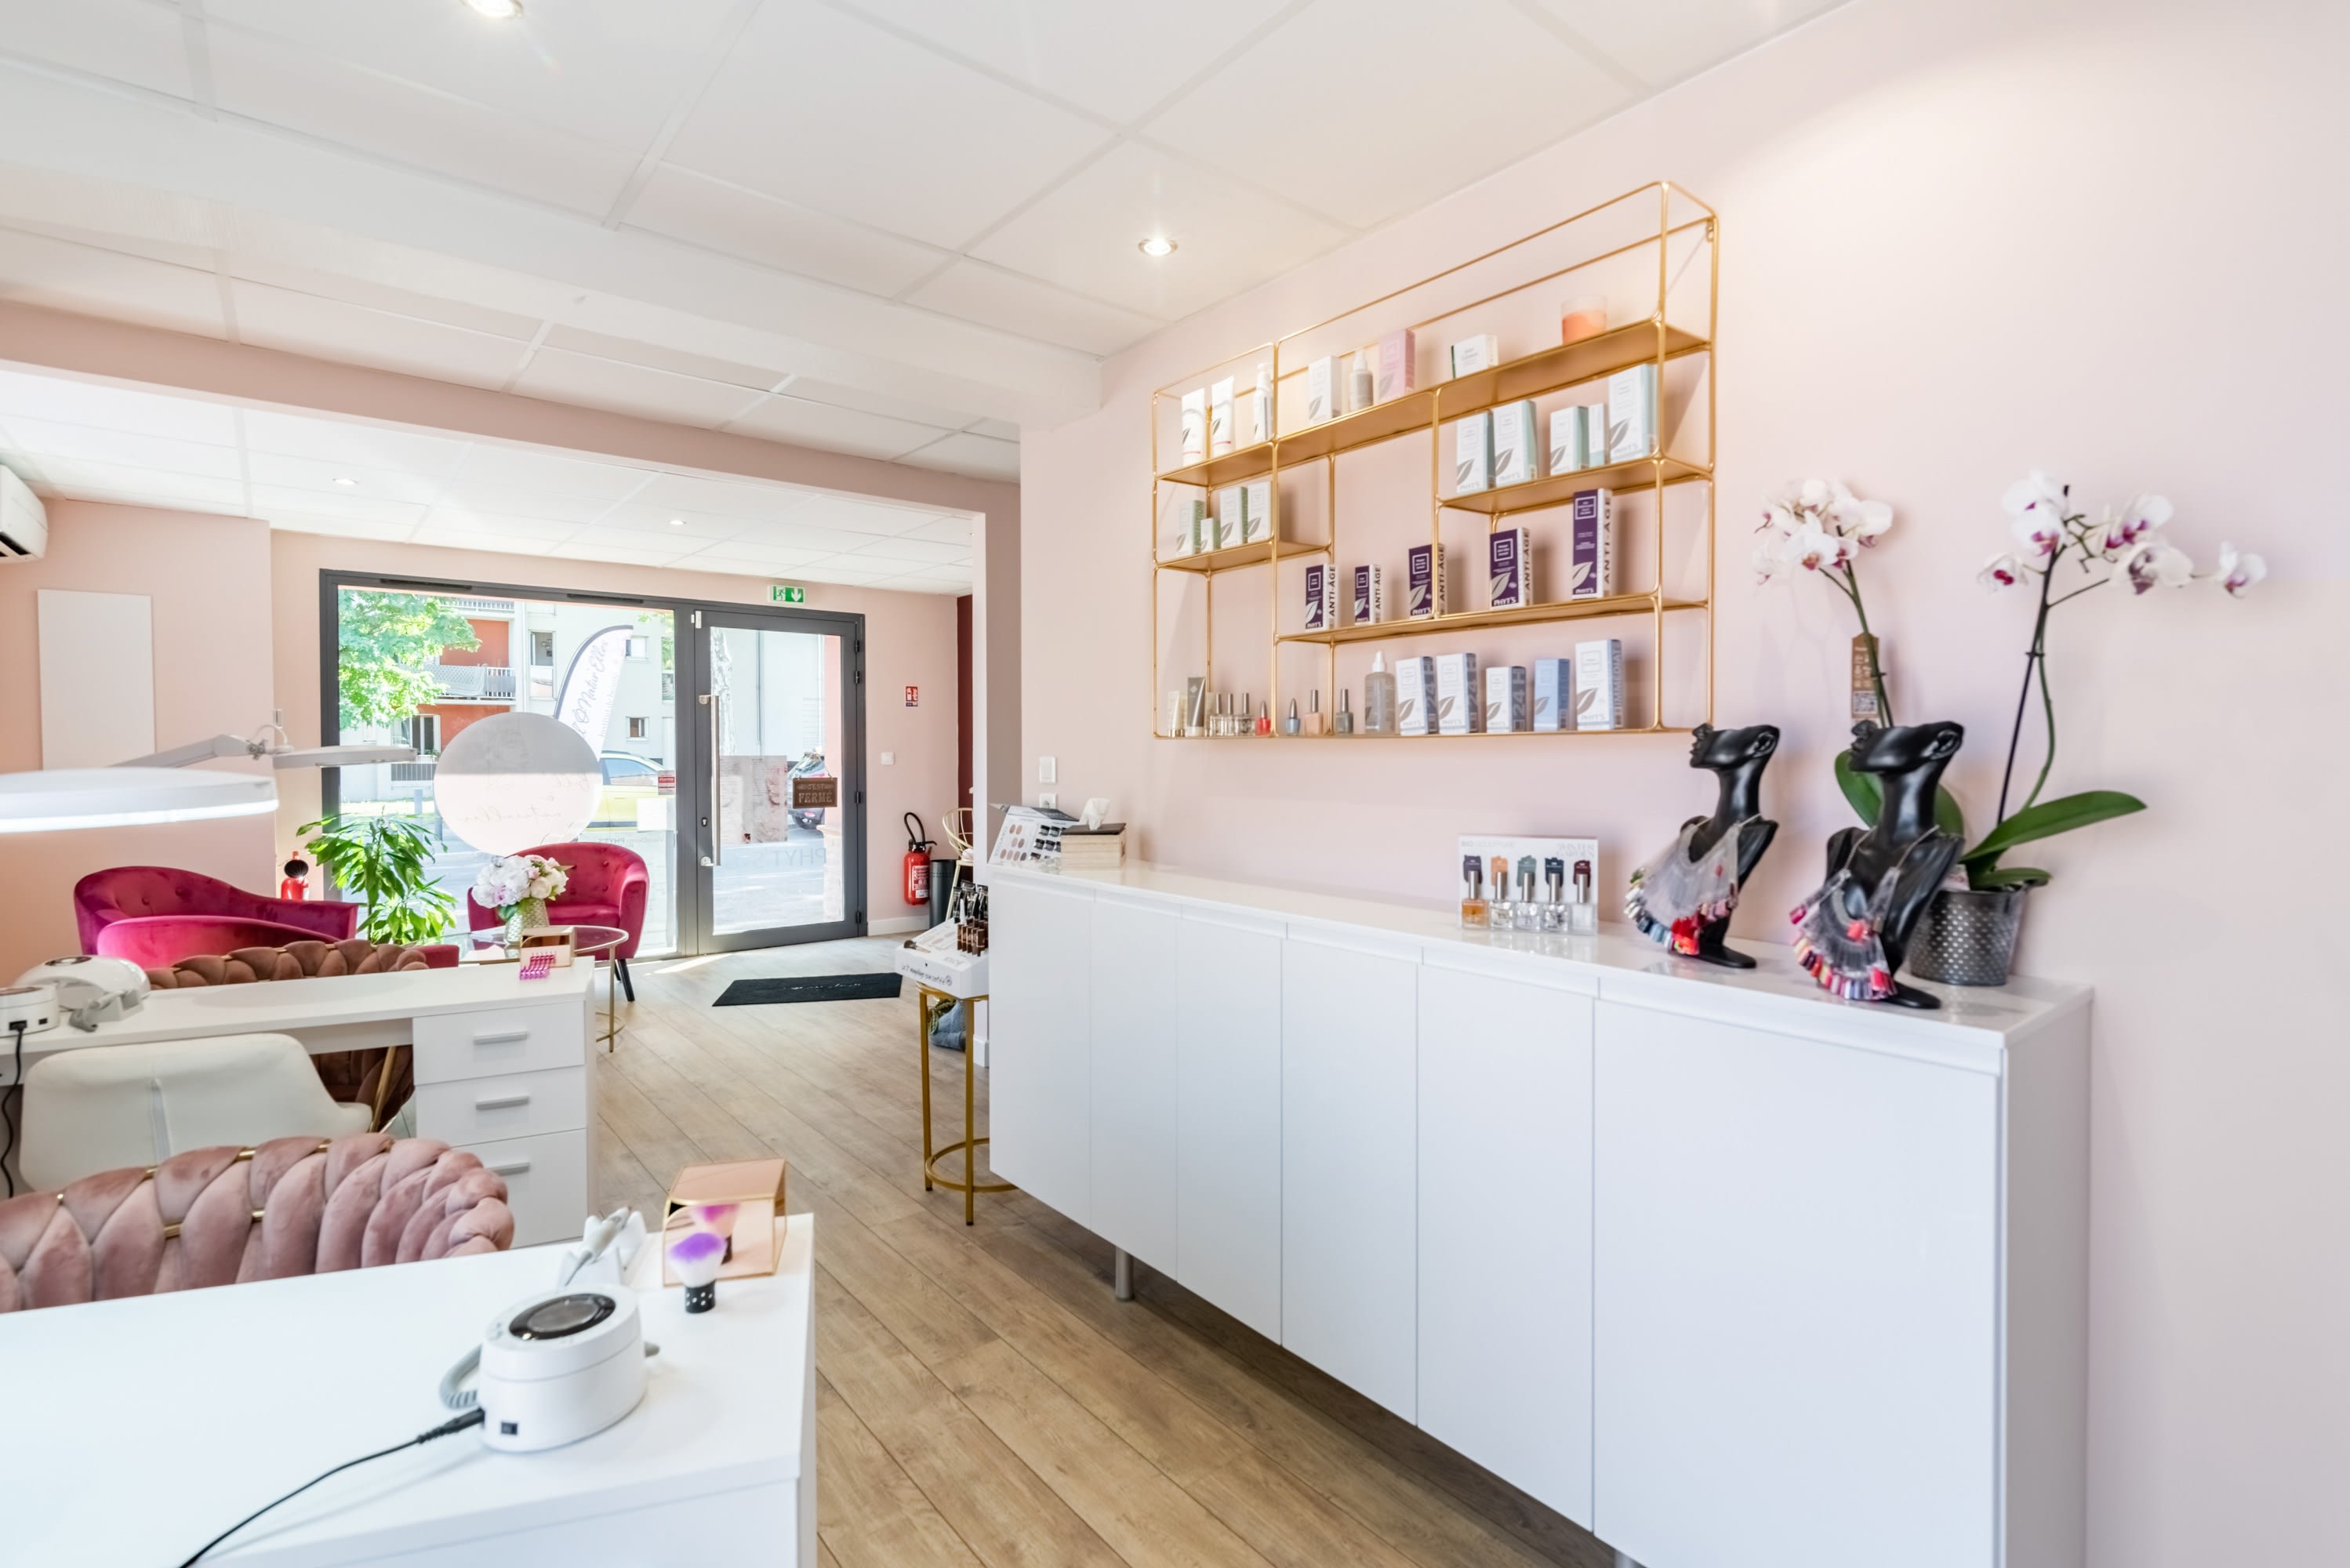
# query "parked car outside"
(629, 779)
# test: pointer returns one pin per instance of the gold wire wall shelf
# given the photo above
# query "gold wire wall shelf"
(1657, 242)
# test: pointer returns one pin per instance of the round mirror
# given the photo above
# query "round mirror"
(513, 780)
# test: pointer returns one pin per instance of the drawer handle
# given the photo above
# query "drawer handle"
(501, 1102)
(510, 1167)
(502, 1037)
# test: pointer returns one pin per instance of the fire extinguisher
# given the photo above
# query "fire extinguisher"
(917, 875)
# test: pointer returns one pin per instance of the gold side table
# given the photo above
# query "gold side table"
(969, 1187)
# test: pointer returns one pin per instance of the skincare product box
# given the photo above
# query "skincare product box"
(1180, 517)
(1482, 352)
(1505, 699)
(1553, 683)
(1472, 453)
(1219, 418)
(1321, 390)
(1399, 368)
(1195, 424)
(1415, 681)
(1424, 588)
(1515, 459)
(1262, 412)
(1370, 597)
(1591, 561)
(1509, 567)
(1594, 435)
(1599, 685)
(1230, 502)
(1459, 701)
(1632, 414)
(1520, 868)
(1566, 441)
(1256, 511)
(1321, 597)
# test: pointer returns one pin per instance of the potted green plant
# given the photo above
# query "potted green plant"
(1968, 935)
(384, 862)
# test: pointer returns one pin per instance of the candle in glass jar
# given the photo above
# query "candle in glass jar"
(1582, 319)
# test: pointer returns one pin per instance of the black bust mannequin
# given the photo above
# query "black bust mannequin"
(1736, 758)
(1902, 844)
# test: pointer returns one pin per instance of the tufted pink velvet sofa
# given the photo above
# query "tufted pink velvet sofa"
(129, 892)
(224, 1216)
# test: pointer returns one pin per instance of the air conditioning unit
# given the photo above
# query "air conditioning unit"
(24, 521)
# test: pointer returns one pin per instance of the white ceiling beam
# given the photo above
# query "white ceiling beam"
(622, 282)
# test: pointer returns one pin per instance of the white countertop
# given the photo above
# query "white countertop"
(276, 1004)
(148, 1426)
(1974, 1026)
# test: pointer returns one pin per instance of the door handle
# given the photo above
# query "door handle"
(717, 817)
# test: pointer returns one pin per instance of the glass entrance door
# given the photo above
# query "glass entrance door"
(779, 815)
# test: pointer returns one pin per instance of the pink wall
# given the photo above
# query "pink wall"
(209, 579)
(1962, 238)
(910, 640)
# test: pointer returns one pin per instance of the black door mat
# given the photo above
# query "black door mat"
(809, 988)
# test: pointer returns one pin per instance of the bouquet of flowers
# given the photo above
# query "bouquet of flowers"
(518, 887)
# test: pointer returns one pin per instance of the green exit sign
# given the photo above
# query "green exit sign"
(786, 594)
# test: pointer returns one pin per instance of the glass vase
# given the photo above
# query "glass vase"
(524, 915)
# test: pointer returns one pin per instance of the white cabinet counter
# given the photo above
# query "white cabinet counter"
(1730, 1271)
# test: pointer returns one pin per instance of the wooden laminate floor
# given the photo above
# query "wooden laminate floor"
(980, 1397)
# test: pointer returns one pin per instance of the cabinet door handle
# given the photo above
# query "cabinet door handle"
(501, 1102)
(502, 1037)
(510, 1167)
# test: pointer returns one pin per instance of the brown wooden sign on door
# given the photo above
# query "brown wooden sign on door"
(809, 793)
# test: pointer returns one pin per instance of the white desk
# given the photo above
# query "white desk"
(150, 1425)
(501, 1061)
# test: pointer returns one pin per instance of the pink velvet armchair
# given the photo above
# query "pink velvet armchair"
(158, 894)
(609, 886)
(224, 1215)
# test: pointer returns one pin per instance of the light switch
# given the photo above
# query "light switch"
(888, 758)
(1048, 770)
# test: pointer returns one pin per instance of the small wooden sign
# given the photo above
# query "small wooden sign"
(1865, 666)
(811, 792)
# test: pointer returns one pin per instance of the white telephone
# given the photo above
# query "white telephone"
(566, 1362)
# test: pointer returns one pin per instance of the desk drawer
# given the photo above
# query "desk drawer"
(495, 1041)
(546, 1183)
(467, 1111)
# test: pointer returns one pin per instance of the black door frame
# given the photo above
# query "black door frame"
(692, 838)
(698, 717)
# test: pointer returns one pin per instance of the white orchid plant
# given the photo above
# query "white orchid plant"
(1820, 525)
(507, 882)
(2054, 542)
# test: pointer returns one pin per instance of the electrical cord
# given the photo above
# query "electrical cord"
(8, 1099)
(455, 1424)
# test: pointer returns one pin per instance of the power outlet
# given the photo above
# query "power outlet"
(889, 759)
(1050, 800)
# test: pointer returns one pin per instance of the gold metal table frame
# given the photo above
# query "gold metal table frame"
(970, 1186)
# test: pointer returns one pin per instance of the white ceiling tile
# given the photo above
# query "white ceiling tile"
(855, 516)
(320, 476)
(330, 330)
(924, 582)
(268, 500)
(134, 41)
(689, 493)
(558, 376)
(366, 291)
(743, 557)
(913, 551)
(115, 408)
(934, 414)
(791, 536)
(356, 447)
(142, 486)
(620, 545)
(1662, 44)
(604, 71)
(517, 504)
(994, 297)
(1115, 60)
(361, 107)
(1083, 235)
(1002, 430)
(339, 527)
(723, 216)
(500, 544)
(1479, 88)
(811, 424)
(946, 531)
(819, 108)
(447, 518)
(46, 440)
(62, 275)
(700, 528)
(836, 571)
(494, 466)
(662, 358)
(981, 457)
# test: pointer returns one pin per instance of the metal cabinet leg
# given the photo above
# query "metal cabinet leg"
(1121, 1274)
(1623, 1560)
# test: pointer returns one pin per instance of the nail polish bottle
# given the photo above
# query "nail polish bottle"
(1553, 911)
(1473, 912)
(1342, 723)
(1317, 722)
(1583, 915)
(1291, 725)
(1264, 718)
(1528, 913)
(1498, 907)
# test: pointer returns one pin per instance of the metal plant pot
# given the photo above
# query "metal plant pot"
(1968, 936)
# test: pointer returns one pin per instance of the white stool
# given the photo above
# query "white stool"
(115, 1106)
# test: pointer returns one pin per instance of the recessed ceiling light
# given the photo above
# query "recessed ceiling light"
(499, 10)
(677, 522)
(346, 482)
(1157, 245)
